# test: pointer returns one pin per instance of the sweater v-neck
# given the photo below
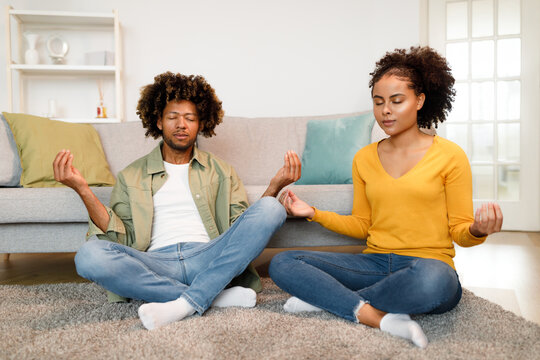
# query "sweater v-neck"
(435, 140)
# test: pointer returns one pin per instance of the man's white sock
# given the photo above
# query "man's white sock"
(403, 326)
(236, 296)
(155, 315)
(294, 305)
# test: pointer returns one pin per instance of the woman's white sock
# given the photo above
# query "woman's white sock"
(403, 326)
(155, 315)
(236, 296)
(294, 305)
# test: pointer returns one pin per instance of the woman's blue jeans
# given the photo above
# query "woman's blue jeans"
(195, 271)
(392, 283)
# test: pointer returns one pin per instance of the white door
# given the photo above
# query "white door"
(493, 47)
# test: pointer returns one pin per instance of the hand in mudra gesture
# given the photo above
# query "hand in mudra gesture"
(286, 175)
(66, 173)
(487, 220)
(295, 206)
(289, 173)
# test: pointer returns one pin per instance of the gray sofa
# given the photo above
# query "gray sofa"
(40, 220)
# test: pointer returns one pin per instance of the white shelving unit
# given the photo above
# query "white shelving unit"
(81, 79)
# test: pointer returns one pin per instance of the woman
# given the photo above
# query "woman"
(412, 201)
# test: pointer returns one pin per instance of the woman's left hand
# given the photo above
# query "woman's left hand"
(487, 220)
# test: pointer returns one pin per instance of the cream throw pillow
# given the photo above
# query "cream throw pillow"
(40, 139)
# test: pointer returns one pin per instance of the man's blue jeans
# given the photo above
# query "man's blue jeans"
(392, 283)
(193, 270)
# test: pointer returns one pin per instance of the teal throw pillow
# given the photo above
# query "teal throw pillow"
(331, 146)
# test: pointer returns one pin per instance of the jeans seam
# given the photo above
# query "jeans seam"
(390, 272)
(302, 257)
(196, 306)
(180, 259)
(172, 258)
(121, 249)
(207, 246)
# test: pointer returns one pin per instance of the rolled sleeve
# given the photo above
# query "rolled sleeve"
(115, 227)
(239, 201)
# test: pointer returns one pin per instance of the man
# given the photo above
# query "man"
(179, 229)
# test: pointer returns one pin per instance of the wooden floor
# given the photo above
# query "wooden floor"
(505, 270)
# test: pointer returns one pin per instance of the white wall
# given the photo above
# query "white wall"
(264, 58)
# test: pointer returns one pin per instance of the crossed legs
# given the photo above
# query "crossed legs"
(366, 287)
(184, 278)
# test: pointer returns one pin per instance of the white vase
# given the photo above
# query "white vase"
(31, 56)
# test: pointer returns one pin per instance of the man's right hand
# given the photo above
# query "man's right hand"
(66, 173)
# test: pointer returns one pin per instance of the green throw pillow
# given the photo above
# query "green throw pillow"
(40, 139)
(331, 146)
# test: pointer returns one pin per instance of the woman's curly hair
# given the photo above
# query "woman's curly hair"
(428, 73)
(176, 87)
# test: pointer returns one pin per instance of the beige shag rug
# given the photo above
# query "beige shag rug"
(74, 321)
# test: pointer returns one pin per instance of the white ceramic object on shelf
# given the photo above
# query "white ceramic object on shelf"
(58, 49)
(31, 56)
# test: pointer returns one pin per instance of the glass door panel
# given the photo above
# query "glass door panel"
(482, 18)
(509, 57)
(492, 48)
(509, 17)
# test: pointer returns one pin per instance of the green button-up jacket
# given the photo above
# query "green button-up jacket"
(217, 190)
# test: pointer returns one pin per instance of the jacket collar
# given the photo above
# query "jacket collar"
(154, 162)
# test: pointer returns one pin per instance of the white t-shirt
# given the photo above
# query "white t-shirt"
(176, 218)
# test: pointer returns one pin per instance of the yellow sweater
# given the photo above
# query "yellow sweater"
(418, 214)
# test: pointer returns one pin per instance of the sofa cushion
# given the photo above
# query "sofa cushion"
(10, 166)
(58, 204)
(124, 143)
(42, 237)
(33, 205)
(331, 146)
(40, 139)
(337, 198)
(255, 147)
